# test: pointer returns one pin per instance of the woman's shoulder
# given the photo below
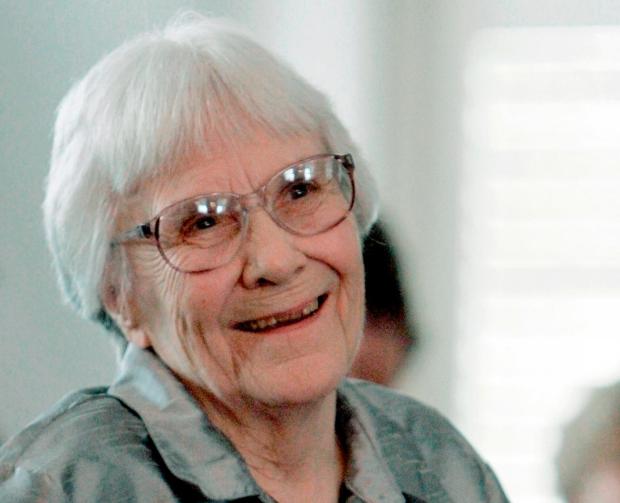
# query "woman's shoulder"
(406, 429)
(76, 422)
(392, 411)
(394, 405)
(81, 433)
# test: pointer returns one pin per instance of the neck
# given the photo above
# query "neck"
(293, 452)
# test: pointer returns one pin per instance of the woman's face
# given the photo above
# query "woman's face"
(197, 323)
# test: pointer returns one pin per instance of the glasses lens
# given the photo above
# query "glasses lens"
(205, 232)
(201, 233)
(311, 197)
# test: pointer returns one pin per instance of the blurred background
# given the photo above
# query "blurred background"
(493, 129)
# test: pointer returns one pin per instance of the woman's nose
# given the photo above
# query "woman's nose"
(271, 254)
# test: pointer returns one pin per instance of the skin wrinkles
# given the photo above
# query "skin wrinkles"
(245, 343)
(285, 298)
(260, 448)
(272, 394)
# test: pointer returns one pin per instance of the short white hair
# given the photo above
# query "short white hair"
(155, 99)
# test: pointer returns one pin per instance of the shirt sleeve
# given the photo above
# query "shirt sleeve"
(19, 485)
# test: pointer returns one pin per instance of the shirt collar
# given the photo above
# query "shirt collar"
(190, 446)
(383, 463)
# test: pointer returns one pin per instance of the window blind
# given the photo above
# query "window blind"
(539, 242)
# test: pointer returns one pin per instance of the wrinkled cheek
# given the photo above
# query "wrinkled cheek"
(188, 338)
(358, 308)
(357, 326)
(176, 334)
(205, 354)
(352, 315)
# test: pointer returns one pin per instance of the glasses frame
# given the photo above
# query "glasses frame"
(149, 231)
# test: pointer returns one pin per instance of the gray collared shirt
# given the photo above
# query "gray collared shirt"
(144, 439)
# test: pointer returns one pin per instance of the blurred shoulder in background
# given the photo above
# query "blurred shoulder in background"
(389, 338)
(588, 461)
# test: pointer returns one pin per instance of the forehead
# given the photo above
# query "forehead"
(241, 169)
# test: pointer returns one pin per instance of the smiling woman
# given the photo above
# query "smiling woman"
(207, 207)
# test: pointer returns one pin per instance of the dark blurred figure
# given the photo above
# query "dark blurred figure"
(588, 462)
(388, 337)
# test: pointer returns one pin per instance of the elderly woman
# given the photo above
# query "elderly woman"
(207, 207)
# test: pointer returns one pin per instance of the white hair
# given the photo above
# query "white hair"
(155, 99)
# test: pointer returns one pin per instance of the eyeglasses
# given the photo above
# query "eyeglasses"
(205, 232)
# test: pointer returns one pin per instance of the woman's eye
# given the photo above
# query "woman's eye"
(197, 224)
(300, 190)
(203, 223)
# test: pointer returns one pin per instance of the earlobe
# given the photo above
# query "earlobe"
(138, 337)
(125, 316)
(120, 307)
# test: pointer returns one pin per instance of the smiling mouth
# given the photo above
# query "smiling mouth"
(282, 319)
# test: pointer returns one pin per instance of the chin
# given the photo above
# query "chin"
(299, 383)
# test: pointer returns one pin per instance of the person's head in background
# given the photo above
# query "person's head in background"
(388, 336)
(588, 461)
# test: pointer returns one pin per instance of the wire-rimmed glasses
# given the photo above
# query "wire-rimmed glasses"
(205, 232)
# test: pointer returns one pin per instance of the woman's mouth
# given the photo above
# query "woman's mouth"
(282, 319)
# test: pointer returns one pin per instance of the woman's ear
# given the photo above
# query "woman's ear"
(122, 307)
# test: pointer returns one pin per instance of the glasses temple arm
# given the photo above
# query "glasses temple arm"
(142, 231)
(347, 161)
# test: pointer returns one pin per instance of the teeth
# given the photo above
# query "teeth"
(273, 320)
(310, 308)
